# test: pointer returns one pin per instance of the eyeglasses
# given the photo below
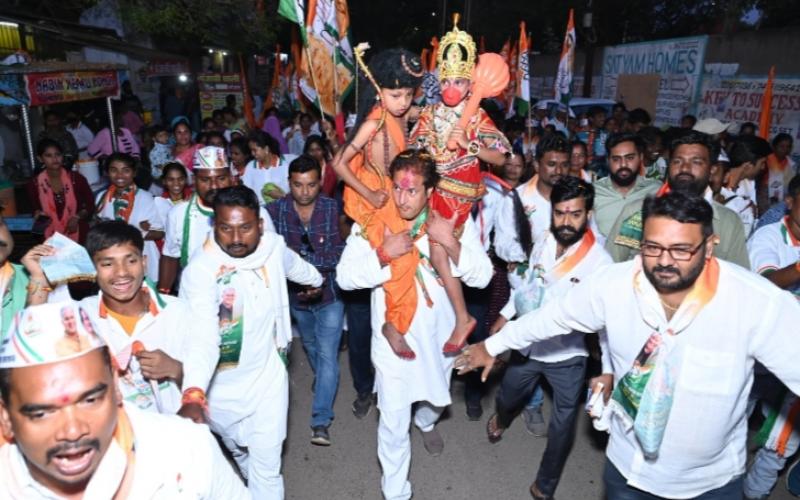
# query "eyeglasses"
(679, 254)
(307, 248)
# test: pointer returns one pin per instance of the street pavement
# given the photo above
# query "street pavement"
(470, 467)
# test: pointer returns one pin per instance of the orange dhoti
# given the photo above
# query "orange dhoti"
(401, 290)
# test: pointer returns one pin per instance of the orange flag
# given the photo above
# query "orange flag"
(482, 46)
(423, 57)
(766, 107)
(247, 105)
(274, 86)
(434, 53)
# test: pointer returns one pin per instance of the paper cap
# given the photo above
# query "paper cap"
(48, 333)
(711, 126)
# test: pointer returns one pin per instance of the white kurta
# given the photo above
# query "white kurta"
(550, 286)
(487, 216)
(174, 459)
(196, 348)
(248, 402)
(772, 247)
(255, 178)
(537, 208)
(200, 227)
(399, 382)
(705, 437)
(144, 209)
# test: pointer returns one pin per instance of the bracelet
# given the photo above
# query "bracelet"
(35, 286)
(383, 258)
(165, 290)
(195, 395)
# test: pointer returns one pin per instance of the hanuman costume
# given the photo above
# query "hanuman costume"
(461, 180)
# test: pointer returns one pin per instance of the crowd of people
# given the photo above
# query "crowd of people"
(651, 266)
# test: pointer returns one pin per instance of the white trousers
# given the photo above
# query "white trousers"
(394, 446)
(255, 443)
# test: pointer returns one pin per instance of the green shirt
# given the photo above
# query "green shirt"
(624, 237)
(608, 202)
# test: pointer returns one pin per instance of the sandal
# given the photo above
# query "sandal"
(493, 431)
(536, 494)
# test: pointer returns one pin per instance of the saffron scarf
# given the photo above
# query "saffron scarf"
(48, 201)
(530, 294)
(643, 397)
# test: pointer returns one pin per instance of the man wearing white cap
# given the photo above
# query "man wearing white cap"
(188, 223)
(712, 127)
(237, 281)
(69, 435)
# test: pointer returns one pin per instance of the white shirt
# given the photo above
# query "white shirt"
(255, 178)
(550, 286)
(773, 247)
(200, 226)
(194, 347)
(174, 459)
(743, 202)
(144, 209)
(236, 392)
(400, 382)
(487, 215)
(537, 208)
(705, 437)
(83, 137)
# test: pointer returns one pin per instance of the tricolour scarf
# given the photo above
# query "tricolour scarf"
(195, 206)
(643, 397)
(121, 200)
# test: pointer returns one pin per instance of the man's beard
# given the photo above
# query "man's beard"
(567, 236)
(682, 283)
(688, 183)
(208, 198)
(623, 181)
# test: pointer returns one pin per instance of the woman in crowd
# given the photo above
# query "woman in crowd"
(123, 200)
(185, 148)
(268, 172)
(240, 156)
(61, 200)
(320, 149)
(102, 145)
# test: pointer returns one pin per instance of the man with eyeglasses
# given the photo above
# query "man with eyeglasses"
(625, 182)
(309, 222)
(689, 169)
(682, 340)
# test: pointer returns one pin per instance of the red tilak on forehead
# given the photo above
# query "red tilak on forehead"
(63, 399)
(407, 179)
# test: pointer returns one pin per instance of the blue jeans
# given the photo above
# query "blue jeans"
(537, 399)
(359, 340)
(617, 488)
(321, 331)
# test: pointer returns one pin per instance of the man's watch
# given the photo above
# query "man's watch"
(474, 147)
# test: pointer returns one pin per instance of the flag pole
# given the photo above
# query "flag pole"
(314, 81)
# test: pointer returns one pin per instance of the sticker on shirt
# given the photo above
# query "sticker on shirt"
(231, 320)
(136, 390)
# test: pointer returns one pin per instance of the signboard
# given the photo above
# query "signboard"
(165, 67)
(738, 99)
(542, 86)
(638, 91)
(678, 62)
(214, 87)
(67, 86)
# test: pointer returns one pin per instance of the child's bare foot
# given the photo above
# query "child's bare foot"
(397, 342)
(458, 339)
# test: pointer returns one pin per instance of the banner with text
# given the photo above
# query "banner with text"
(215, 87)
(67, 86)
(738, 99)
(678, 61)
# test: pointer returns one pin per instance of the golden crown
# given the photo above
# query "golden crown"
(456, 57)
